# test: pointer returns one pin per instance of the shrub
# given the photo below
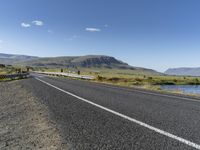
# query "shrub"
(138, 79)
(164, 82)
(136, 83)
(125, 80)
(114, 79)
(100, 78)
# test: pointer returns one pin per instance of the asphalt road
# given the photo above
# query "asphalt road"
(97, 116)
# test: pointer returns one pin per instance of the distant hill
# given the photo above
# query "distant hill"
(183, 71)
(89, 61)
(79, 61)
(13, 59)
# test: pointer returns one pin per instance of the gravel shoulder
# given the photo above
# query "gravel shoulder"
(24, 122)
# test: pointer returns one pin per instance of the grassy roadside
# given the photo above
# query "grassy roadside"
(148, 87)
(11, 79)
(9, 70)
(150, 80)
(152, 83)
(133, 79)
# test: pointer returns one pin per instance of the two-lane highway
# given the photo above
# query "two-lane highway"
(97, 116)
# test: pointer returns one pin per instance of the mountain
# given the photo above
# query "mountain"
(183, 71)
(88, 61)
(13, 59)
(79, 61)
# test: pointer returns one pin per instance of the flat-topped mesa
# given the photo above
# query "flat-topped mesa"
(88, 61)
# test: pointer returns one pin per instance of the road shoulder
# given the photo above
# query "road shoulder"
(24, 122)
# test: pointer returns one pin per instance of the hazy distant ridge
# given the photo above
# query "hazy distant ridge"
(13, 59)
(183, 71)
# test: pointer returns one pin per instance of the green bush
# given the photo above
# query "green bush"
(138, 79)
(100, 78)
(115, 79)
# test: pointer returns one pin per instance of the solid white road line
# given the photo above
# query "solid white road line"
(182, 140)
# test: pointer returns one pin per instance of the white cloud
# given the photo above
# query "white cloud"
(1, 41)
(93, 29)
(38, 23)
(25, 25)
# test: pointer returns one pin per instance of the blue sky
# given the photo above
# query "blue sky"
(157, 34)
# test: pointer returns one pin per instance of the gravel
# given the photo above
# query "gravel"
(24, 121)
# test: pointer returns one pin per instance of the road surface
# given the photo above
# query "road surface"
(96, 116)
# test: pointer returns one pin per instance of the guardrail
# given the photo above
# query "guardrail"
(67, 75)
(13, 76)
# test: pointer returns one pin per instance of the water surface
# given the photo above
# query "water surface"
(187, 89)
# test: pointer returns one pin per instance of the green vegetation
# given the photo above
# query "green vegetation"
(10, 79)
(123, 77)
(151, 80)
(128, 77)
(10, 70)
(7, 70)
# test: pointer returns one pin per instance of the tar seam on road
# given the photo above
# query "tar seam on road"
(162, 132)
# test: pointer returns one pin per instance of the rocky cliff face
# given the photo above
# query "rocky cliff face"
(90, 61)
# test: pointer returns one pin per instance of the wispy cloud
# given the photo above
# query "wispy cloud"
(75, 36)
(1, 41)
(106, 25)
(50, 31)
(72, 38)
(38, 22)
(93, 29)
(25, 25)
